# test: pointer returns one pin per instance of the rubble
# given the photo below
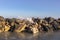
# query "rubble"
(31, 25)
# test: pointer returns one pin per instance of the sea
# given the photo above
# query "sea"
(29, 36)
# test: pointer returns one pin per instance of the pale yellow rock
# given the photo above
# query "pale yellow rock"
(21, 28)
(34, 30)
(7, 28)
(0, 31)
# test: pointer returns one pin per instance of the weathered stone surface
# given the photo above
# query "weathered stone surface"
(33, 25)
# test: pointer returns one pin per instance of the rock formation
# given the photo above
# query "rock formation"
(31, 25)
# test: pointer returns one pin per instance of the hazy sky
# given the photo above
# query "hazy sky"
(30, 8)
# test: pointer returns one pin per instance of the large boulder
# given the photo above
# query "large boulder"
(21, 27)
(32, 28)
(12, 28)
(49, 19)
(7, 27)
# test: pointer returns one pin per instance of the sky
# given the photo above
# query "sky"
(30, 8)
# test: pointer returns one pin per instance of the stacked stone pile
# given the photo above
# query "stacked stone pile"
(34, 25)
